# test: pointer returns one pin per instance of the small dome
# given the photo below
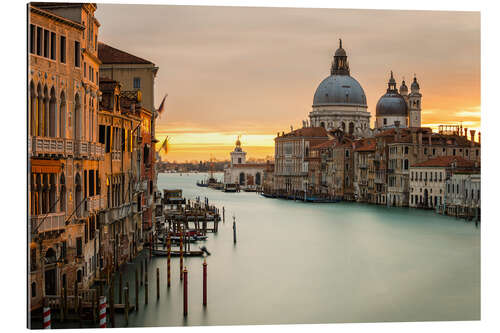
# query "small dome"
(339, 89)
(403, 88)
(340, 52)
(414, 85)
(392, 104)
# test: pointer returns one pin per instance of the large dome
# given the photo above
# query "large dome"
(392, 104)
(339, 89)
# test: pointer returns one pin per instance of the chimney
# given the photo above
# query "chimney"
(472, 136)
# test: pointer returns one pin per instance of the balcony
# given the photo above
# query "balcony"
(89, 150)
(118, 213)
(44, 146)
(95, 203)
(363, 166)
(51, 222)
(379, 181)
(363, 182)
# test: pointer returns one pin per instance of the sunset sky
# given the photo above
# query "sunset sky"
(232, 71)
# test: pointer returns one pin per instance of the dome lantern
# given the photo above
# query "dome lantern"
(340, 66)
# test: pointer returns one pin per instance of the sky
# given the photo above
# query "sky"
(249, 71)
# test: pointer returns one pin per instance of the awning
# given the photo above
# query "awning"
(45, 166)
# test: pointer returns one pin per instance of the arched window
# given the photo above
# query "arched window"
(242, 178)
(78, 195)
(62, 193)
(52, 193)
(343, 127)
(62, 115)
(39, 111)
(78, 119)
(45, 112)
(33, 115)
(322, 124)
(52, 124)
(33, 289)
(351, 127)
(79, 276)
(257, 178)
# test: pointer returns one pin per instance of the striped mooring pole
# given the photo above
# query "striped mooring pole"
(46, 315)
(102, 312)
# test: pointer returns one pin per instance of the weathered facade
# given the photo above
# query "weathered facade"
(64, 153)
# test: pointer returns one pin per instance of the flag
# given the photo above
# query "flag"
(160, 109)
(164, 145)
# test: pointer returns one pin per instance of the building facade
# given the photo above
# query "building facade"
(239, 171)
(64, 153)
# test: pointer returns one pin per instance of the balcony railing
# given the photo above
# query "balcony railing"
(51, 222)
(46, 146)
(116, 155)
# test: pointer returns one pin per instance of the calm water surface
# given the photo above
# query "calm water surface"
(318, 263)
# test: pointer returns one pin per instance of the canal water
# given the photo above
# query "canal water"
(299, 263)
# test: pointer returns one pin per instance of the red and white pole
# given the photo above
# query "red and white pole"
(46, 316)
(102, 312)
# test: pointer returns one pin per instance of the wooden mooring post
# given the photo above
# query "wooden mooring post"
(120, 286)
(181, 259)
(111, 297)
(126, 304)
(157, 283)
(136, 290)
(204, 282)
(146, 293)
(185, 292)
(168, 261)
(142, 271)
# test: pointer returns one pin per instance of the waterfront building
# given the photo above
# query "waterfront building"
(136, 77)
(120, 227)
(340, 101)
(291, 151)
(364, 170)
(463, 191)
(246, 174)
(64, 152)
(268, 179)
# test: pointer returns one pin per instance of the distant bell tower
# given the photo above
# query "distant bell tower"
(238, 156)
(415, 104)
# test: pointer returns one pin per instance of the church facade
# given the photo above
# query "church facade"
(248, 176)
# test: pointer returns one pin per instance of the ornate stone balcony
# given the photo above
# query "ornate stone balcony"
(48, 222)
(58, 147)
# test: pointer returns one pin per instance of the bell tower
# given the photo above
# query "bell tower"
(238, 156)
(415, 104)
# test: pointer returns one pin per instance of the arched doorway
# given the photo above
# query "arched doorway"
(50, 272)
(242, 178)
(257, 178)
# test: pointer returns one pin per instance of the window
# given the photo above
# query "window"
(78, 246)
(108, 139)
(406, 164)
(433, 151)
(97, 183)
(137, 82)
(102, 134)
(53, 46)
(77, 54)
(406, 150)
(32, 38)
(63, 250)
(239, 160)
(46, 43)
(454, 151)
(385, 121)
(425, 151)
(39, 41)
(63, 49)
(84, 69)
(33, 289)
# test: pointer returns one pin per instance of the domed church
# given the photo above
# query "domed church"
(398, 108)
(340, 101)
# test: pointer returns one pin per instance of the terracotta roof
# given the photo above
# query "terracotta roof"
(446, 161)
(366, 145)
(110, 55)
(307, 132)
(325, 144)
